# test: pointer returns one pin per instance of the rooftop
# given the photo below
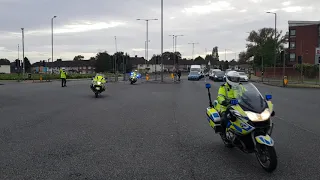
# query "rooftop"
(302, 23)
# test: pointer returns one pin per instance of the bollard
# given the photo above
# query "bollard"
(147, 77)
(40, 77)
(172, 76)
(285, 81)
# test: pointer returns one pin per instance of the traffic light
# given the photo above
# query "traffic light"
(299, 59)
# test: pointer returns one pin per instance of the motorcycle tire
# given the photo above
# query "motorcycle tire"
(131, 82)
(96, 95)
(272, 158)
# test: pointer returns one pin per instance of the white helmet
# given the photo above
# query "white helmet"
(233, 78)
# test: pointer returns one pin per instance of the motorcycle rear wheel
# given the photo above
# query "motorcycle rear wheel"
(267, 153)
(96, 94)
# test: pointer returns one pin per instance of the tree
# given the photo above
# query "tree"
(59, 60)
(199, 60)
(215, 53)
(78, 58)
(262, 45)
(92, 59)
(103, 62)
(226, 65)
(243, 59)
(27, 64)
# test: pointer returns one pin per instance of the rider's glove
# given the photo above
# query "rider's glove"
(225, 102)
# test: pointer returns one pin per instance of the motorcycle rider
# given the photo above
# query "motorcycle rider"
(225, 94)
(99, 78)
(63, 76)
(134, 73)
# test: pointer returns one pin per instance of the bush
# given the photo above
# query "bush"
(309, 70)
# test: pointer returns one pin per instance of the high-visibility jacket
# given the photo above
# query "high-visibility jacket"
(63, 74)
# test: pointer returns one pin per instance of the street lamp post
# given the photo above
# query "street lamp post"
(52, 42)
(174, 50)
(147, 31)
(161, 40)
(275, 43)
(115, 59)
(23, 65)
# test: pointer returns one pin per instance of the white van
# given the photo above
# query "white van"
(196, 68)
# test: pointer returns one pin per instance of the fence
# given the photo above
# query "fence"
(294, 76)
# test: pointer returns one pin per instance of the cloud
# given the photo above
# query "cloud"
(84, 27)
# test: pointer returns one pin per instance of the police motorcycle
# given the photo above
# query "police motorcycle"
(133, 79)
(249, 127)
(98, 84)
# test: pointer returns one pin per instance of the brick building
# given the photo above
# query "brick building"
(304, 41)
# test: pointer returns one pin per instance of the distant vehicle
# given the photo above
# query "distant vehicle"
(243, 77)
(194, 75)
(224, 78)
(211, 73)
(197, 68)
(218, 76)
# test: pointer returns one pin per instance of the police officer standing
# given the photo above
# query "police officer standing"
(63, 76)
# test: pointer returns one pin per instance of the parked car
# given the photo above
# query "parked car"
(243, 77)
(194, 75)
(218, 76)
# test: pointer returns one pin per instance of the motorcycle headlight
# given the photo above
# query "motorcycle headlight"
(255, 117)
(99, 83)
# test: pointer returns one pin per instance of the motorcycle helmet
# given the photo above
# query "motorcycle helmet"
(233, 78)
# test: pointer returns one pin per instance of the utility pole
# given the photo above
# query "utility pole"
(52, 43)
(147, 33)
(23, 65)
(161, 40)
(193, 43)
(115, 59)
(275, 43)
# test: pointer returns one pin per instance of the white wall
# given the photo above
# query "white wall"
(5, 69)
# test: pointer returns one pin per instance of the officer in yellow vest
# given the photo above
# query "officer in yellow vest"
(225, 94)
(63, 76)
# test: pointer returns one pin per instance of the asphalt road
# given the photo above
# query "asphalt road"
(143, 131)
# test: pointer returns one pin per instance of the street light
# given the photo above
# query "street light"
(275, 42)
(162, 41)
(175, 37)
(23, 65)
(52, 42)
(147, 24)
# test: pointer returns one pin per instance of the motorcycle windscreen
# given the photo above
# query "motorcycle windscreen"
(249, 98)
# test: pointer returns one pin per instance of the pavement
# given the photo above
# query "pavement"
(291, 84)
(144, 131)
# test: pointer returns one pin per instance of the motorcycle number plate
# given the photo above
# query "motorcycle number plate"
(97, 88)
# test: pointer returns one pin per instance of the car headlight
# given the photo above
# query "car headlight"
(255, 117)
(215, 76)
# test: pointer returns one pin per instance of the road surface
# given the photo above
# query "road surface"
(143, 131)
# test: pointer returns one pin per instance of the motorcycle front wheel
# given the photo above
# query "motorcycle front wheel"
(96, 94)
(267, 158)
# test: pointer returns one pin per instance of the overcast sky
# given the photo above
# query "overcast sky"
(87, 27)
